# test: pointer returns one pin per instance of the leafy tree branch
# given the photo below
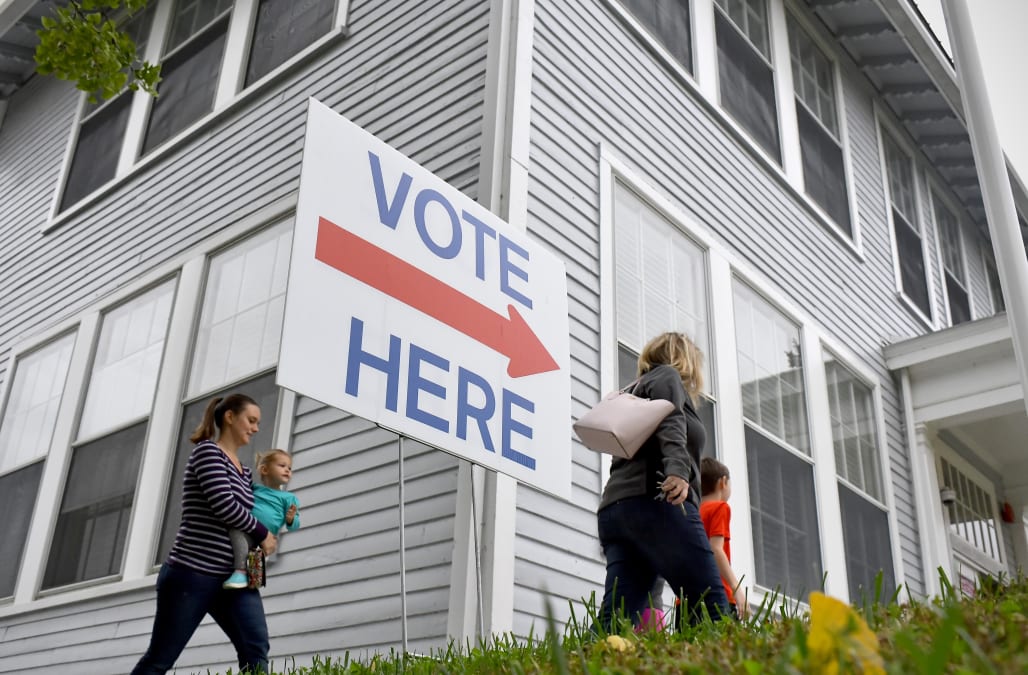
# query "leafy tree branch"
(83, 44)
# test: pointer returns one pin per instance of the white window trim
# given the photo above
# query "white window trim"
(722, 266)
(884, 126)
(145, 520)
(130, 164)
(816, 35)
(937, 196)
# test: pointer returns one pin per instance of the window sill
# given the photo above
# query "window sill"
(175, 143)
(60, 597)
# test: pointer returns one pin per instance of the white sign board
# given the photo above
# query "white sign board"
(412, 305)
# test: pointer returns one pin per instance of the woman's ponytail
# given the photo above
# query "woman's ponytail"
(207, 428)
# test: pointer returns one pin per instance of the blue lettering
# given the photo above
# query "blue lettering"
(507, 268)
(357, 357)
(389, 214)
(453, 248)
(465, 410)
(417, 384)
(481, 232)
(510, 425)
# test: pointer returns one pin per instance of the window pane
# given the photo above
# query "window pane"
(770, 369)
(31, 412)
(786, 542)
(97, 150)
(128, 357)
(912, 268)
(959, 303)
(189, 79)
(814, 82)
(949, 239)
(241, 323)
(854, 429)
(824, 169)
(901, 179)
(91, 526)
(661, 281)
(192, 16)
(750, 17)
(865, 533)
(747, 86)
(262, 390)
(18, 492)
(283, 29)
(669, 21)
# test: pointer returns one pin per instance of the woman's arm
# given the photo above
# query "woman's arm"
(665, 382)
(209, 467)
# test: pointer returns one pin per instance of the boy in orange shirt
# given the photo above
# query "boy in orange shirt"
(716, 516)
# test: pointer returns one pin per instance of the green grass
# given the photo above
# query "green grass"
(949, 634)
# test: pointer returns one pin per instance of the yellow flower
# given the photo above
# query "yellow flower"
(839, 635)
(618, 643)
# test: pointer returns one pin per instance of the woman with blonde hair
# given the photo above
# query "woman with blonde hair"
(648, 520)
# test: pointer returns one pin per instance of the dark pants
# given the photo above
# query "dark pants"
(184, 597)
(643, 539)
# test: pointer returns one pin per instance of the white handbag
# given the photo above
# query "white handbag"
(621, 422)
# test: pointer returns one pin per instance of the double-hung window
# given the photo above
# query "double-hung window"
(865, 521)
(102, 126)
(670, 22)
(190, 66)
(783, 505)
(746, 75)
(818, 119)
(905, 223)
(26, 430)
(236, 348)
(208, 52)
(660, 285)
(952, 247)
(100, 487)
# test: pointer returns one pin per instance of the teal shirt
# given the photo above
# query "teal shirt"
(270, 506)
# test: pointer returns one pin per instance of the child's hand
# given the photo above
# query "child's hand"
(290, 514)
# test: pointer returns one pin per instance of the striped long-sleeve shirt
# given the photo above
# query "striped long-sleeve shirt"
(215, 498)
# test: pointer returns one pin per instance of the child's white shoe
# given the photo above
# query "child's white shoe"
(237, 580)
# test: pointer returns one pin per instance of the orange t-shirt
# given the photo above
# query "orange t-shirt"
(715, 516)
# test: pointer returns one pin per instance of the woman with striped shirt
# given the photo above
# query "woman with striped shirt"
(217, 495)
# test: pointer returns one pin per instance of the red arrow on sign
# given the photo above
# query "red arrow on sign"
(376, 267)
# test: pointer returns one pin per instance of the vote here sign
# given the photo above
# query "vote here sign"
(414, 306)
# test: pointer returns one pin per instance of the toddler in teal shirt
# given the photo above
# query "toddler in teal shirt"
(273, 506)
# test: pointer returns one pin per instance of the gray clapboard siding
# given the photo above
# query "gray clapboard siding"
(340, 571)
(424, 83)
(600, 85)
(415, 75)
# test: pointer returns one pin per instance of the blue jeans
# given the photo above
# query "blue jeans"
(643, 539)
(184, 597)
